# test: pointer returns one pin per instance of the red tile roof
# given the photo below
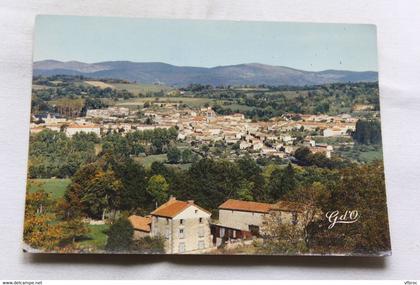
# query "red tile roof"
(288, 206)
(257, 207)
(140, 223)
(246, 206)
(173, 207)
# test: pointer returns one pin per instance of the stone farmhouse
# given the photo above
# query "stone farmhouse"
(245, 219)
(185, 226)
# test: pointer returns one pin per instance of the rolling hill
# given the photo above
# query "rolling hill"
(171, 75)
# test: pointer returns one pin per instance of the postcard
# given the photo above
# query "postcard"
(158, 136)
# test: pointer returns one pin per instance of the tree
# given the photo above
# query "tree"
(303, 155)
(252, 173)
(311, 199)
(52, 154)
(102, 193)
(148, 245)
(174, 155)
(281, 182)
(116, 145)
(187, 155)
(159, 168)
(73, 229)
(94, 189)
(368, 132)
(120, 236)
(210, 183)
(41, 230)
(157, 187)
(281, 238)
(360, 188)
(133, 196)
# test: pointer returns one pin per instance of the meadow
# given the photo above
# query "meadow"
(192, 102)
(54, 186)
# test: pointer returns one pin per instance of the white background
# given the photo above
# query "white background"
(399, 60)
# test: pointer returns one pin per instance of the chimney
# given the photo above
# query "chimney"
(190, 201)
(172, 198)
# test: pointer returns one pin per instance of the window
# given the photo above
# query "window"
(181, 247)
(294, 218)
(181, 233)
(255, 230)
(167, 221)
(201, 232)
(181, 222)
(200, 220)
(167, 233)
(200, 244)
(196, 211)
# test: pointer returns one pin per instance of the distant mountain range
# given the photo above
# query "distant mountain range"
(171, 75)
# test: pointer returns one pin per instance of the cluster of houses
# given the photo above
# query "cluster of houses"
(188, 228)
(204, 126)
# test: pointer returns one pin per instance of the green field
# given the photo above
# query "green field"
(370, 156)
(140, 88)
(56, 187)
(147, 161)
(96, 238)
(365, 154)
(192, 102)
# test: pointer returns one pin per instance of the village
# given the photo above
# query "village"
(202, 126)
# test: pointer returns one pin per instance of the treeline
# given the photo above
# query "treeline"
(78, 90)
(113, 184)
(330, 99)
(63, 87)
(53, 154)
(63, 80)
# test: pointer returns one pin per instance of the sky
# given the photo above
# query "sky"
(306, 46)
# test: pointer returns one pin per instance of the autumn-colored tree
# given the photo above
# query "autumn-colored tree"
(39, 231)
(280, 237)
(311, 200)
(360, 188)
(73, 229)
(93, 191)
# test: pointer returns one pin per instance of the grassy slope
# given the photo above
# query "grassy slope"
(148, 160)
(99, 84)
(193, 102)
(96, 238)
(140, 88)
(56, 187)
